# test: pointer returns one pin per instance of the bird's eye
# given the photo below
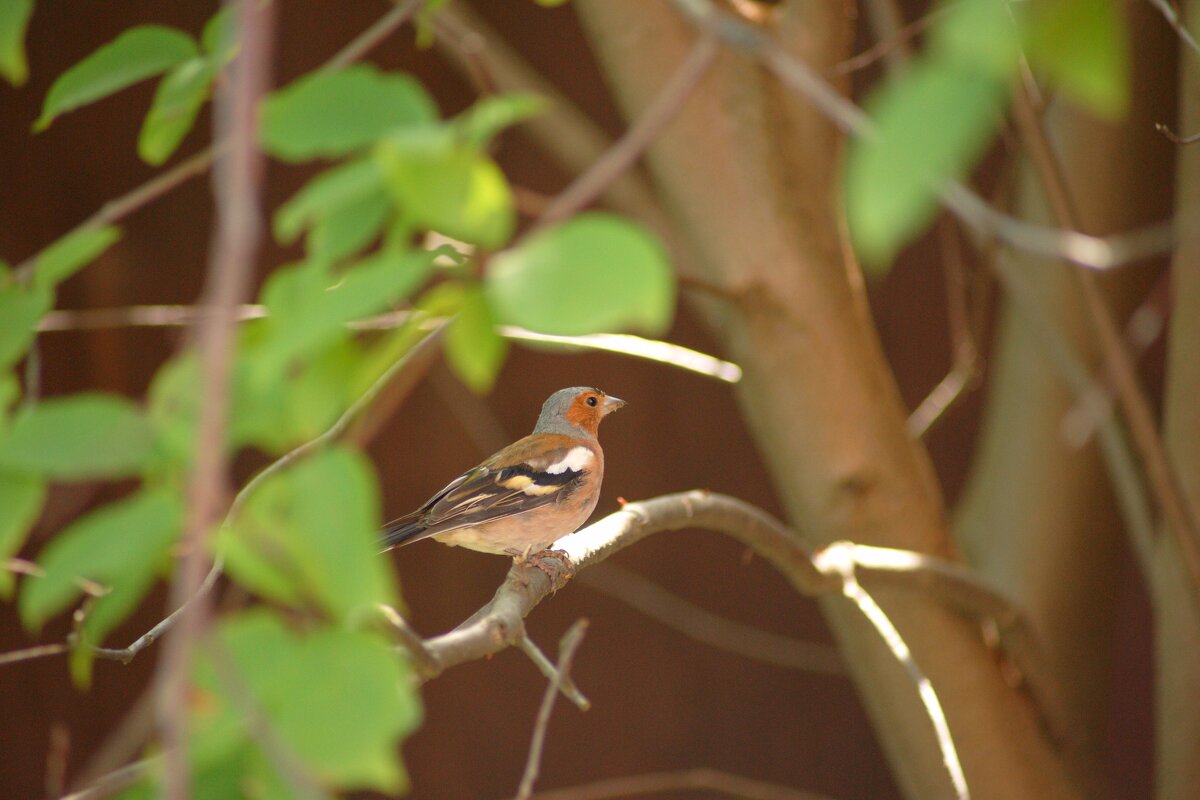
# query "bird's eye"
(591, 401)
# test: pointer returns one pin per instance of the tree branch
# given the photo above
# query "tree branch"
(566, 653)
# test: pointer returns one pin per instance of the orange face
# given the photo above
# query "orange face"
(589, 407)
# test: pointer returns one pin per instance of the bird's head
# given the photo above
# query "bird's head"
(576, 411)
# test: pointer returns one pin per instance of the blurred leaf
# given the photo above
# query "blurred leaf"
(980, 34)
(21, 498)
(120, 546)
(344, 209)
(596, 272)
(173, 406)
(310, 306)
(10, 390)
(79, 437)
(137, 54)
(20, 310)
(487, 117)
(1081, 46)
(473, 348)
(346, 726)
(336, 187)
(448, 186)
(180, 95)
(933, 121)
(308, 537)
(66, 256)
(219, 37)
(331, 114)
(14, 20)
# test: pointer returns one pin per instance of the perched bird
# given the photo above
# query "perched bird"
(527, 495)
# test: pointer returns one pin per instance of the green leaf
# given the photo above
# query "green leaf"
(79, 437)
(119, 546)
(479, 123)
(20, 310)
(310, 306)
(177, 100)
(14, 20)
(449, 186)
(219, 37)
(21, 498)
(346, 726)
(307, 537)
(933, 121)
(473, 348)
(66, 256)
(331, 114)
(596, 272)
(137, 54)
(1081, 46)
(977, 34)
(344, 209)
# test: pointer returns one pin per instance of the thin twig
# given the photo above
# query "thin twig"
(358, 47)
(127, 654)
(236, 184)
(31, 653)
(1139, 414)
(1175, 137)
(838, 559)
(698, 779)
(620, 343)
(1172, 18)
(701, 625)
(1146, 324)
(619, 158)
(398, 626)
(900, 40)
(566, 653)
(115, 781)
(565, 684)
(964, 369)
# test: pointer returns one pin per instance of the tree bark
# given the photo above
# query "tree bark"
(748, 174)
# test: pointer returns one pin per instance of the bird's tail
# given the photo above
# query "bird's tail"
(401, 531)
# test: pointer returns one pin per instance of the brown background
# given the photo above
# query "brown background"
(660, 701)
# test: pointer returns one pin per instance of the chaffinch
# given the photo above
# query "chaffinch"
(529, 494)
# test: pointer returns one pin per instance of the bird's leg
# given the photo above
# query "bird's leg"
(558, 575)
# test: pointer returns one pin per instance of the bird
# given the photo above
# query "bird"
(527, 495)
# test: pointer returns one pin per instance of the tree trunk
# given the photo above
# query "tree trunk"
(748, 173)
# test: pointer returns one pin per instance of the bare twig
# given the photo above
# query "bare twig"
(358, 47)
(839, 559)
(1146, 324)
(1160, 475)
(568, 135)
(409, 639)
(964, 369)
(703, 626)
(31, 653)
(699, 779)
(57, 754)
(899, 40)
(566, 653)
(115, 781)
(620, 343)
(231, 267)
(565, 683)
(1174, 137)
(618, 159)
(1172, 17)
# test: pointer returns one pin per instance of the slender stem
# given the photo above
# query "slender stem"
(231, 267)
(566, 654)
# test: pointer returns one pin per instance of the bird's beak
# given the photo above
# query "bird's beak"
(611, 404)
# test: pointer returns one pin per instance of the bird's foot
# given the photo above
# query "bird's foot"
(559, 569)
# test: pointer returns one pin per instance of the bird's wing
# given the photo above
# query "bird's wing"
(524, 476)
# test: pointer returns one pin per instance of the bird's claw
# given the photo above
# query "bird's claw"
(559, 572)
